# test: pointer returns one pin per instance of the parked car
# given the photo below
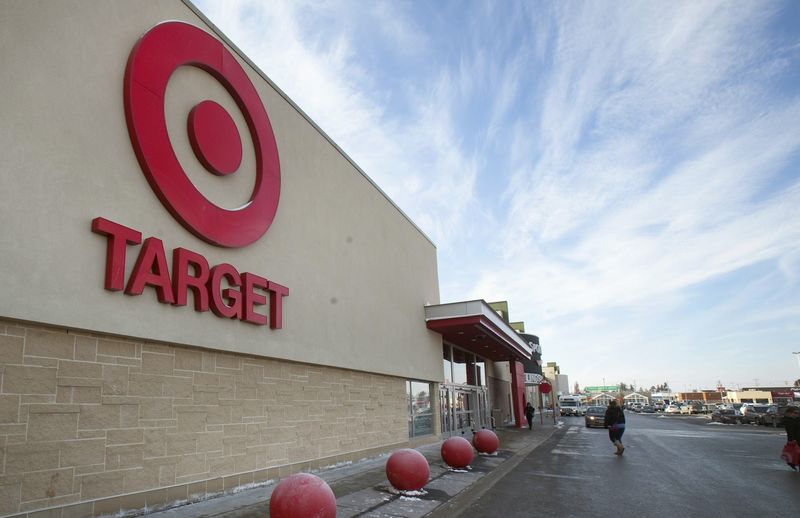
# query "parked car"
(750, 413)
(648, 409)
(698, 407)
(636, 407)
(773, 416)
(672, 409)
(595, 416)
(724, 415)
(709, 407)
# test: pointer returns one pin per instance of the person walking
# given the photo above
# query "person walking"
(615, 422)
(529, 412)
(791, 452)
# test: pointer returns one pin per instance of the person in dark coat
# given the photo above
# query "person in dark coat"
(529, 411)
(615, 422)
(791, 422)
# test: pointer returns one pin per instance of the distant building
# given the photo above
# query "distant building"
(635, 397)
(662, 397)
(748, 396)
(780, 395)
(707, 396)
(560, 382)
(602, 399)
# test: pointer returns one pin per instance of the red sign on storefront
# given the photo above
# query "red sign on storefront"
(213, 134)
(216, 142)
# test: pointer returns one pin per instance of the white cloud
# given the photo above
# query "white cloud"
(638, 152)
(415, 156)
(619, 206)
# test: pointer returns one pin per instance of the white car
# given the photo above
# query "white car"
(672, 409)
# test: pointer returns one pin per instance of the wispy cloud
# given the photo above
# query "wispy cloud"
(607, 168)
(414, 153)
(634, 191)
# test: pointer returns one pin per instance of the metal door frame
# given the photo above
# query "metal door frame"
(476, 417)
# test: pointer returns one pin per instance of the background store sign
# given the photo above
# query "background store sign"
(533, 379)
(216, 142)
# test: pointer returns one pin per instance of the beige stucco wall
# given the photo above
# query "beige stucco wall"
(359, 272)
(499, 383)
(85, 418)
(748, 395)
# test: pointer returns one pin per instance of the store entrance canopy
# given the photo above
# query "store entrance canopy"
(476, 327)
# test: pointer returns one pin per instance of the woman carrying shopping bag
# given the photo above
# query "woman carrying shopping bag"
(791, 452)
(615, 422)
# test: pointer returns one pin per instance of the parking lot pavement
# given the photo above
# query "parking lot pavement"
(362, 490)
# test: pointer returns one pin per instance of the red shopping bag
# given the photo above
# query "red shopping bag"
(791, 453)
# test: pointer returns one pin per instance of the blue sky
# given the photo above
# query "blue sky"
(625, 174)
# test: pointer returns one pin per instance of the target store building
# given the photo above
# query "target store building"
(201, 291)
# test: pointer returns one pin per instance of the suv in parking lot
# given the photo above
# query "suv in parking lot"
(724, 415)
(750, 412)
(773, 416)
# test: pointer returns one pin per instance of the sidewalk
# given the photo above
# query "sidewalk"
(362, 490)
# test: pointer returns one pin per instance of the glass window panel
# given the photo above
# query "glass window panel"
(448, 365)
(471, 369)
(480, 368)
(463, 367)
(409, 400)
(421, 415)
(459, 366)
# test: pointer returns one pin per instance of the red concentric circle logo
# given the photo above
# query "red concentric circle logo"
(212, 132)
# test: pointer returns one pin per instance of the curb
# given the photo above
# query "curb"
(456, 505)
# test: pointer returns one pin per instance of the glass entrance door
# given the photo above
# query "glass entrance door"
(482, 410)
(446, 409)
(464, 403)
(463, 409)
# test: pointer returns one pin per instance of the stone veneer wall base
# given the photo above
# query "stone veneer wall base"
(94, 425)
(142, 503)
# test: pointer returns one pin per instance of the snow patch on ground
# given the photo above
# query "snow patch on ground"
(407, 494)
(461, 470)
(333, 466)
(252, 485)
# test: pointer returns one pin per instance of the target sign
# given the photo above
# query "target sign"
(212, 133)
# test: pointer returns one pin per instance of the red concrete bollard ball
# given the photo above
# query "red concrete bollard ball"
(457, 452)
(407, 470)
(302, 496)
(486, 441)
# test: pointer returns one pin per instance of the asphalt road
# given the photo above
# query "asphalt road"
(672, 467)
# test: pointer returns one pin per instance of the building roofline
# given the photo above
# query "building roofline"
(294, 105)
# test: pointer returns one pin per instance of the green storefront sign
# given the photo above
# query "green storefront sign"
(606, 388)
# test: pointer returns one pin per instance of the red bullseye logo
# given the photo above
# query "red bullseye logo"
(213, 135)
